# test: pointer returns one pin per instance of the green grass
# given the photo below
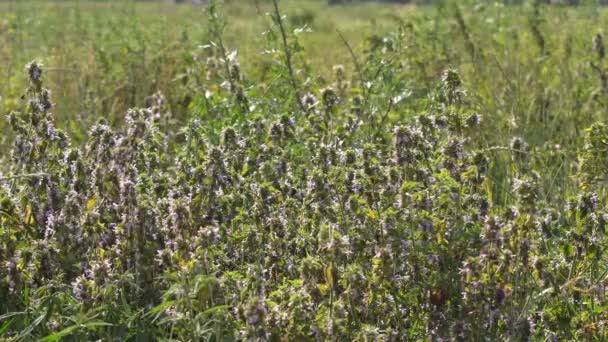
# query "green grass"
(361, 172)
(102, 53)
(110, 56)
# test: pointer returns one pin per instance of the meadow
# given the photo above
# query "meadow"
(294, 171)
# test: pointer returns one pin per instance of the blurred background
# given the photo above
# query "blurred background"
(103, 57)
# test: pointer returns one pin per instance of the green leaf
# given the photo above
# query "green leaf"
(214, 310)
(10, 314)
(159, 308)
(4, 328)
(69, 330)
(27, 331)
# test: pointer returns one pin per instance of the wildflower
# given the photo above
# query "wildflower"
(255, 311)
(519, 149)
(339, 72)
(451, 79)
(441, 122)
(80, 288)
(454, 149)
(14, 275)
(587, 203)
(235, 70)
(310, 101)
(526, 190)
(330, 98)
(34, 70)
(473, 120)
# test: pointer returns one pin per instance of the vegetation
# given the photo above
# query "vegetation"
(407, 173)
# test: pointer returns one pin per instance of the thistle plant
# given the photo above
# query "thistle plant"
(358, 207)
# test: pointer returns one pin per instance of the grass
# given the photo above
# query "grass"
(107, 48)
(393, 173)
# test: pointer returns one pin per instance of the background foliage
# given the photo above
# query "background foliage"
(349, 172)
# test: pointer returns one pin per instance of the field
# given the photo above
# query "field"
(294, 171)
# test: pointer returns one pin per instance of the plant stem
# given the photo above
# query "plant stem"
(287, 51)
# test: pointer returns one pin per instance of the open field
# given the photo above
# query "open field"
(295, 171)
(103, 53)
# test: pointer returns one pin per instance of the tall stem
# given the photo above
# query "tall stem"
(287, 51)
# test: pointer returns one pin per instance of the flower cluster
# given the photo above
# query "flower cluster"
(325, 212)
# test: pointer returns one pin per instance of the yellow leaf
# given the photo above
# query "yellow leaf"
(372, 215)
(28, 215)
(439, 238)
(329, 277)
(91, 203)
